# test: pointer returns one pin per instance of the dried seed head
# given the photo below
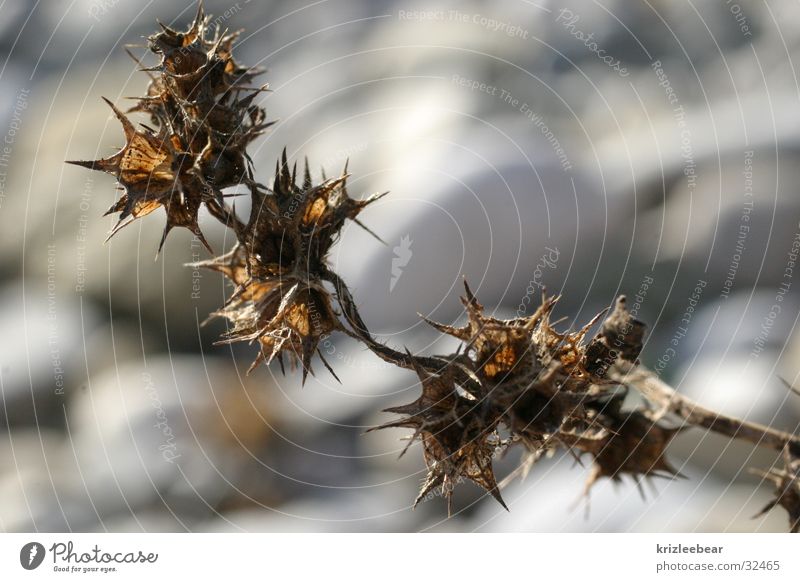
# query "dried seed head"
(152, 174)
(541, 385)
(201, 103)
(518, 351)
(199, 48)
(286, 317)
(532, 375)
(458, 441)
(277, 267)
(500, 349)
(292, 228)
(634, 445)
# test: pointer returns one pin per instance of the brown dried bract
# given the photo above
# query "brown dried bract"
(286, 317)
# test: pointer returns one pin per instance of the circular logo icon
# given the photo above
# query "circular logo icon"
(31, 555)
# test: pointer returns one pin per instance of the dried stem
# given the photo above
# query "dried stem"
(667, 400)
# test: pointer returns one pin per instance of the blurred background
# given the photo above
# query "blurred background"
(593, 147)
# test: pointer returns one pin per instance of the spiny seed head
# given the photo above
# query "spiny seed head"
(200, 100)
(285, 316)
(458, 442)
(516, 351)
(539, 384)
(153, 173)
(292, 228)
(199, 49)
(280, 300)
(621, 336)
(634, 445)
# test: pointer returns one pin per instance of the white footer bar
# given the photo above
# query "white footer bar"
(401, 557)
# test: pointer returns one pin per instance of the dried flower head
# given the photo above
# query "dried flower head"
(634, 445)
(285, 316)
(518, 351)
(458, 442)
(293, 226)
(534, 381)
(280, 299)
(201, 102)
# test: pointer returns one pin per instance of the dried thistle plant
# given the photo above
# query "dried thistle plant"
(543, 388)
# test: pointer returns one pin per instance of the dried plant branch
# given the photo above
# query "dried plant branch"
(433, 364)
(667, 400)
(512, 382)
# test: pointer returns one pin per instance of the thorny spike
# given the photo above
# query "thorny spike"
(127, 126)
(306, 176)
(327, 365)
